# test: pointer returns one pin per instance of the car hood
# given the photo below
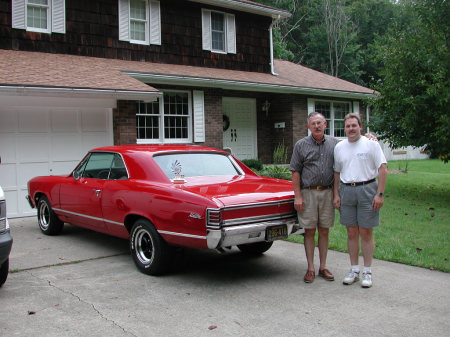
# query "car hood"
(239, 190)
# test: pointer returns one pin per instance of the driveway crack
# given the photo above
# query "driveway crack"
(81, 300)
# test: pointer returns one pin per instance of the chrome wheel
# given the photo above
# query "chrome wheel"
(144, 246)
(44, 215)
(49, 223)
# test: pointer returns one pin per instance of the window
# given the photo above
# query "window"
(334, 113)
(167, 120)
(102, 165)
(45, 16)
(218, 32)
(196, 165)
(140, 21)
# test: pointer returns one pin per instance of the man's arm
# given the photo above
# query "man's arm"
(298, 201)
(336, 198)
(378, 200)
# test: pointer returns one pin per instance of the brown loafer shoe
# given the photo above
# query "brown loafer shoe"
(326, 274)
(309, 276)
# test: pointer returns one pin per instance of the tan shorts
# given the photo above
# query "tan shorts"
(318, 210)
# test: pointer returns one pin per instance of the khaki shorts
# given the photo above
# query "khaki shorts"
(318, 210)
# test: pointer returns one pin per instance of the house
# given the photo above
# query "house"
(75, 75)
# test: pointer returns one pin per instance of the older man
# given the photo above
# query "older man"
(312, 179)
(358, 195)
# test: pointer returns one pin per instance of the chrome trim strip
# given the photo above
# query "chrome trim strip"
(88, 216)
(226, 208)
(261, 218)
(183, 235)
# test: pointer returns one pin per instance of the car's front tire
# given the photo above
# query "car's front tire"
(4, 269)
(151, 254)
(256, 248)
(49, 223)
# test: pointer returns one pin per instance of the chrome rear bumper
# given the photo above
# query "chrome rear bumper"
(244, 234)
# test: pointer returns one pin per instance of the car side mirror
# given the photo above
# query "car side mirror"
(75, 175)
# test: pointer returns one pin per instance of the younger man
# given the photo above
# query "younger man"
(357, 194)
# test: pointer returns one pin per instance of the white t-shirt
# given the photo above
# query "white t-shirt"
(358, 161)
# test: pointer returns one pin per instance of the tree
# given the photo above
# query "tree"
(412, 107)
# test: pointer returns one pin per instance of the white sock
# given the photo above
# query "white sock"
(355, 269)
(367, 270)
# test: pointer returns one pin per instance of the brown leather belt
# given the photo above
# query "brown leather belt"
(360, 183)
(319, 188)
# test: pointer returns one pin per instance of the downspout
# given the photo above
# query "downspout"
(272, 69)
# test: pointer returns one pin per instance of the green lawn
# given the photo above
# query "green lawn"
(415, 218)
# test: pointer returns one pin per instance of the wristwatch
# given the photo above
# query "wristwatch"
(380, 194)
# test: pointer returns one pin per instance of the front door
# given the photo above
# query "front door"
(240, 136)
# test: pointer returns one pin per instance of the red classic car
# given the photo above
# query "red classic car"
(160, 196)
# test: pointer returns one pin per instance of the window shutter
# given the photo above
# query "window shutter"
(124, 20)
(356, 107)
(58, 16)
(199, 116)
(18, 14)
(206, 29)
(155, 22)
(231, 34)
(311, 105)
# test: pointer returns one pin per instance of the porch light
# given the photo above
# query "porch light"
(265, 107)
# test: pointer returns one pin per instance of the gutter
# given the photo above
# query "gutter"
(272, 67)
(242, 85)
(24, 90)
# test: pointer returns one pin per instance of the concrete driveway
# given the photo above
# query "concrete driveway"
(85, 284)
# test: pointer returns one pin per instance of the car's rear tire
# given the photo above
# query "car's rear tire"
(49, 223)
(256, 248)
(151, 254)
(4, 269)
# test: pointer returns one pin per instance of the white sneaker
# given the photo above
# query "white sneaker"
(351, 277)
(366, 280)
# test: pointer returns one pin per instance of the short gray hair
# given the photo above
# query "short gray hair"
(313, 114)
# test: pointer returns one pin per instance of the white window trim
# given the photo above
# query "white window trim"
(354, 107)
(229, 28)
(153, 23)
(56, 16)
(161, 139)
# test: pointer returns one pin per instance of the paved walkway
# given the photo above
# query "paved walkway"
(206, 294)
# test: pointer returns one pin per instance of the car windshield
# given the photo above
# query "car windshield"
(196, 164)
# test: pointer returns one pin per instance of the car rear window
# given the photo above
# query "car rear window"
(196, 164)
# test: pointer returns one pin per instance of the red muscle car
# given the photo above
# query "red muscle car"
(161, 196)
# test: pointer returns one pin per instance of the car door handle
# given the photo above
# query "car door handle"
(97, 192)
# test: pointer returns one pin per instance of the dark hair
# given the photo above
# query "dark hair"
(353, 115)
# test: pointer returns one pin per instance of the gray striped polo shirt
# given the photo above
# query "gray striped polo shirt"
(314, 161)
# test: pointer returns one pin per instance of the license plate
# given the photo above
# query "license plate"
(276, 233)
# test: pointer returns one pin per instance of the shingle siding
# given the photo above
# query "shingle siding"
(92, 30)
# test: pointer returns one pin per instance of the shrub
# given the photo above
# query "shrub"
(276, 172)
(280, 154)
(254, 164)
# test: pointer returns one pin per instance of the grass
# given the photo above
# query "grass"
(415, 219)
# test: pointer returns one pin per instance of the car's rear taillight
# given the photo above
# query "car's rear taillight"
(214, 218)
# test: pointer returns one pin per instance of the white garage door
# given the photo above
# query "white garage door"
(44, 136)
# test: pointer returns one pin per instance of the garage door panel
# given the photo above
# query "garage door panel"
(8, 147)
(9, 123)
(29, 170)
(33, 120)
(33, 148)
(94, 120)
(94, 139)
(8, 176)
(64, 120)
(66, 146)
(12, 208)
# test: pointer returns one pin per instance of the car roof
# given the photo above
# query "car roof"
(156, 148)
